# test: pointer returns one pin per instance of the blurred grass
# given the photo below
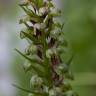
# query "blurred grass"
(84, 79)
(86, 90)
(80, 30)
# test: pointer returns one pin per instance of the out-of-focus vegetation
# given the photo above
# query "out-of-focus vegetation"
(80, 22)
(80, 30)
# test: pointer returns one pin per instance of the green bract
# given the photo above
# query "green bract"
(43, 54)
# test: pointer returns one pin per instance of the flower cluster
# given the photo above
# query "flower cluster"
(50, 75)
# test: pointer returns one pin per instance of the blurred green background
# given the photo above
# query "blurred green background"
(80, 31)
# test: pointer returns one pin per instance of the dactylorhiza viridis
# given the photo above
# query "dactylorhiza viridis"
(45, 36)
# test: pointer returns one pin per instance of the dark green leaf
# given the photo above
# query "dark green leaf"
(28, 11)
(31, 37)
(25, 90)
(40, 73)
(29, 59)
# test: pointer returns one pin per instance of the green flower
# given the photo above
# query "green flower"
(56, 91)
(31, 49)
(50, 52)
(36, 81)
(61, 69)
(43, 11)
(52, 92)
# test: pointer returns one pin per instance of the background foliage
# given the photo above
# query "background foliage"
(80, 29)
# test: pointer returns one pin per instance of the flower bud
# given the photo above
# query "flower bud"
(24, 19)
(50, 52)
(45, 89)
(24, 3)
(36, 82)
(58, 91)
(52, 92)
(27, 51)
(37, 26)
(43, 11)
(31, 49)
(26, 65)
(66, 86)
(55, 92)
(62, 68)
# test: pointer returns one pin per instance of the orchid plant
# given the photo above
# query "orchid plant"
(45, 36)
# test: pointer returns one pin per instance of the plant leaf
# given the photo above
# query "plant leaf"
(25, 90)
(29, 59)
(31, 38)
(40, 73)
(70, 60)
(28, 11)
